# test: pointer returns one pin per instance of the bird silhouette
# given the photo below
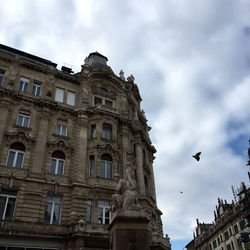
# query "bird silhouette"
(197, 156)
(181, 192)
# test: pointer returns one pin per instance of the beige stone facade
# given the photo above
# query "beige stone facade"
(65, 141)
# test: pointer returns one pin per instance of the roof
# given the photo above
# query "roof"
(98, 54)
(26, 55)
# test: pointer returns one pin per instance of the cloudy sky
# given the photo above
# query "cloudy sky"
(191, 61)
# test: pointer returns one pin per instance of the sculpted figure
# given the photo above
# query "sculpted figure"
(126, 194)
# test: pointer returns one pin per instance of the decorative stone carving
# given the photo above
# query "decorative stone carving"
(50, 81)
(126, 192)
(11, 75)
(122, 75)
(131, 78)
(81, 224)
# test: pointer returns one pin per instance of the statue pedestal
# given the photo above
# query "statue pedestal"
(129, 230)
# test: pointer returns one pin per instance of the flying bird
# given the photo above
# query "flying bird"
(181, 192)
(197, 156)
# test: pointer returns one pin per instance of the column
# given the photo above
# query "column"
(139, 169)
(124, 133)
(3, 118)
(41, 143)
(152, 182)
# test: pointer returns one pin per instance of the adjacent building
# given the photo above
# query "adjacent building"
(65, 141)
(230, 229)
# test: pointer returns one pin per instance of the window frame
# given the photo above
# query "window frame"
(92, 166)
(107, 131)
(69, 92)
(23, 116)
(57, 165)
(89, 213)
(93, 131)
(54, 202)
(105, 164)
(15, 157)
(25, 84)
(36, 85)
(104, 207)
(57, 99)
(7, 202)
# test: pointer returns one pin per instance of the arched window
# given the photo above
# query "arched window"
(106, 166)
(92, 166)
(16, 155)
(57, 162)
(146, 186)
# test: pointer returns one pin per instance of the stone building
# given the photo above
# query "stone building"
(66, 140)
(230, 229)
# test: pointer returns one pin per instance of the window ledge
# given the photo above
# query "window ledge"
(61, 136)
(22, 127)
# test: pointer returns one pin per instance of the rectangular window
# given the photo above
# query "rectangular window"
(59, 95)
(242, 224)
(93, 131)
(107, 131)
(91, 166)
(228, 247)
(1, 76)
(89, 211)
(7, 204)
(236, 230)
(23, 85)
(103, 212)
(106, 169)
(23, 119)
(226, 235)
(61, 127)
(214, 244)
(56, 166)
(97, 100)
(71, 98)
(108, 103)
(15, 158)
(36, 88)
(53, 210)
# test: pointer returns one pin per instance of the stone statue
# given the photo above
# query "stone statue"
(122, 75)
(126, 194)
(131, 78)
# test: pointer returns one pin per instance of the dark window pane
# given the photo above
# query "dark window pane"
(25, 88)
(89, 211)
(2, 206)
(109, 170)
(26, 121)
(56, 214)
(91, 168)
(19, 160)
(33, 89)
(20, 86)
(102, 169)
(100, 215)
(47, 215)
(10, 209)
(97, 100)
(53, 166)
(63, 131)
(11, 157)
(19, 120)
(60, 167)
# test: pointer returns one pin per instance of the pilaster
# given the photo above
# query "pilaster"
(41, 142)
(3, 118)
(139, 168)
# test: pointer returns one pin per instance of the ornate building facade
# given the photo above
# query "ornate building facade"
(65, 141)
(230, 229)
